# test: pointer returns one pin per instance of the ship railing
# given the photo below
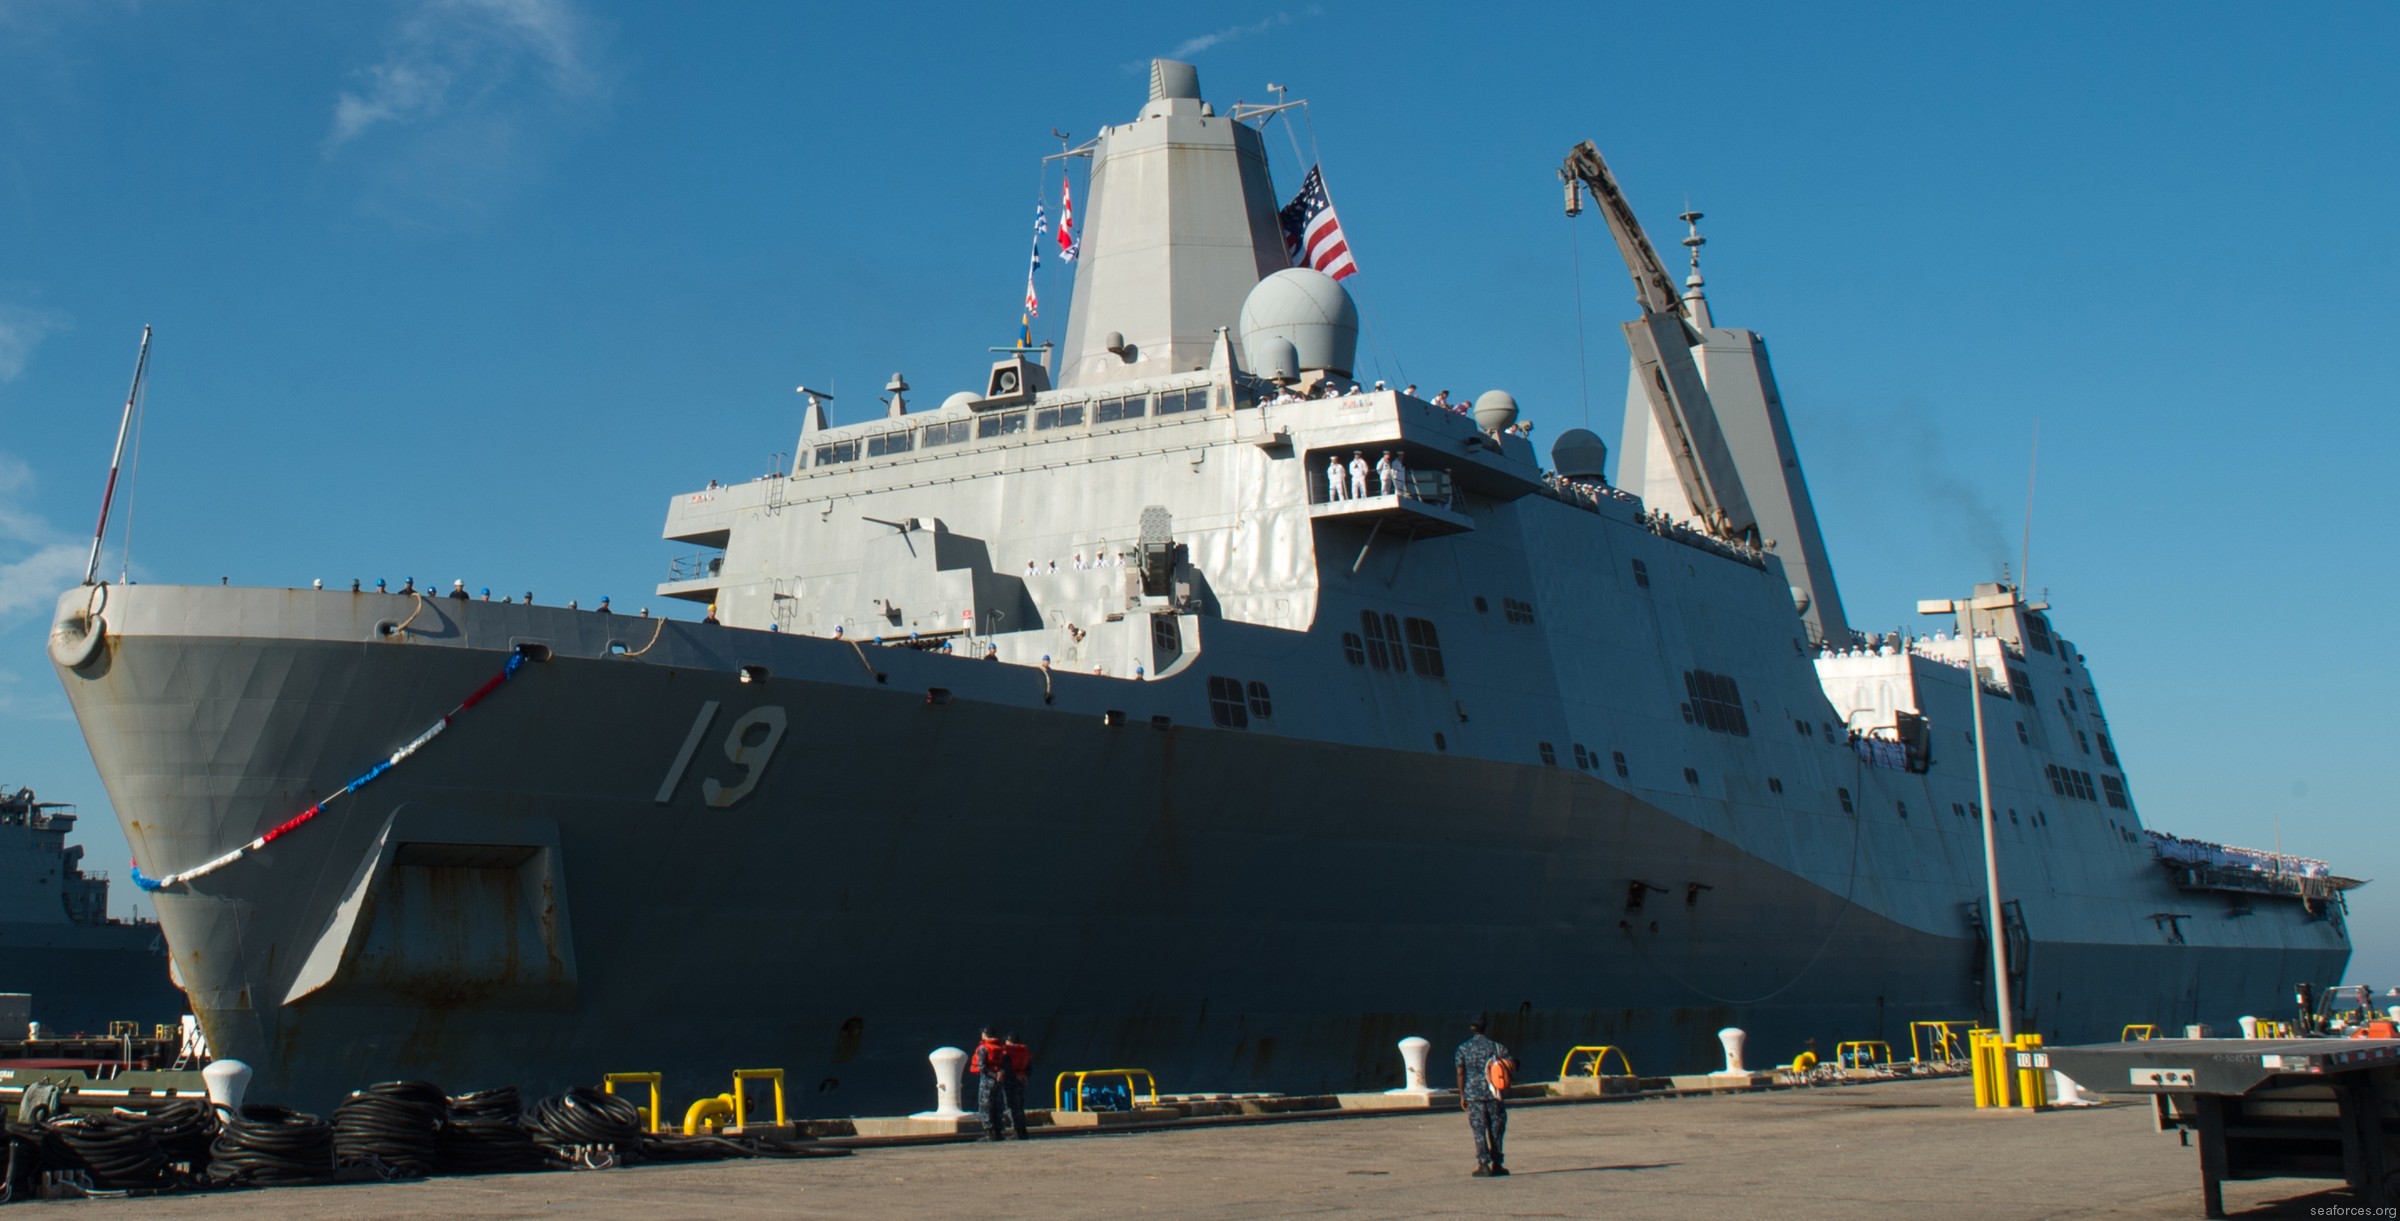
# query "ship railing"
(1083, 1077)
(2138, 1032)
(697, 567)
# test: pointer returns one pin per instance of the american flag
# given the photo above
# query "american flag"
(1068, 246)
(1311, 232)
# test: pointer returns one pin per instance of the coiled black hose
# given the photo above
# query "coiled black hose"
(119, 1154)
(585, 1128)
(184, 1128)
(487, 1135)
(501, 1103)
(268, 1146)
(394, 1128)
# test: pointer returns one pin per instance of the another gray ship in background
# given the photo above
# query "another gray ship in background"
(58, 943)
(1255, 781)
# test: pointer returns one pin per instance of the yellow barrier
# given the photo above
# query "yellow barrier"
(1599, 1057)
(1995, 1066)
(719, 1109)
(1058, 1089)
(741, 1101)
(650, 1114)
(1944, 1040)
(1860, 1053)
(2270, 1029)
(2142, 1030)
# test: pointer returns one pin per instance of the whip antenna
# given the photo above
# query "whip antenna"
(141, 361)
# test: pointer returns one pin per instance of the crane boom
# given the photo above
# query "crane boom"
(1661, 342)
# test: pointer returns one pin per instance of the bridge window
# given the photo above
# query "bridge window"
(1166, 638)
(1354, 650)
(1109, 411)
(1175, 402)
(1262, 705)
(1424, 648)
(1622, 770)
(1716, 702)
(1225, 702)
(839, 451)
(891, 443)
(949, 432)
(1549, 754)
(1000, 424)
(1058, 417)
(2108, 753)
(1583, 758)
(1516, 611)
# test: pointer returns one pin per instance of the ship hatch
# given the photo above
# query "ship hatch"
(450, 922)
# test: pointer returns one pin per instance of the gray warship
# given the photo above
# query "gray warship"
(83, 968)
(1085, 703)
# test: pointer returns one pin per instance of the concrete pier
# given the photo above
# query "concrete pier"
(1906, 1148)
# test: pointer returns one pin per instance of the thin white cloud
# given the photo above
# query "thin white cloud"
(454, 55)
(36, 560)
(22, 329)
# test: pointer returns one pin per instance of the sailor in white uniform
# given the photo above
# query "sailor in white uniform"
(1383, 474)
(1333, 478)
(1358, 475)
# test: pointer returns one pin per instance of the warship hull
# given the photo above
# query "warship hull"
(925, 844)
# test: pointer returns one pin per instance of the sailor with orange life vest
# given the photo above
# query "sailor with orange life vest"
(1020, 1064)
(991, 1066)
(1485, 1071)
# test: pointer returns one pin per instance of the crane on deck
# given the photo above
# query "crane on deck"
(1662, 340)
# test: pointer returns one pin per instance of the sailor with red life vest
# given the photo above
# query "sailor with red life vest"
(990, 1066)
(1020, 1064)
(1485, 1070)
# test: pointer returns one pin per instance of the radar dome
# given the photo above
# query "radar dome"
(1495, 410)
(1309, 311)
(1579, 453)
(962, 401)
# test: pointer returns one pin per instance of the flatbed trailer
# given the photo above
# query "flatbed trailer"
(2262, 1108)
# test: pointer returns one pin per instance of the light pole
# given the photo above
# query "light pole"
(1965, 608)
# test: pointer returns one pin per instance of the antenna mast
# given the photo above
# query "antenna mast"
(141, 361)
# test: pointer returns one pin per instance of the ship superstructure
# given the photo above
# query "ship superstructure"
(1263, 751)
(83, 968)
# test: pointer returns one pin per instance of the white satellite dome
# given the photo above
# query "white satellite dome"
(1308, 310)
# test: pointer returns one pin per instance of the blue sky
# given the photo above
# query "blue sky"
(470, 288)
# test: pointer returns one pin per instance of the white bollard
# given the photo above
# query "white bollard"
(949, 1074)
(227, 1081)
(1733, 1037)
(2249, 1026)
(1412, 1056)
(2065, 1093)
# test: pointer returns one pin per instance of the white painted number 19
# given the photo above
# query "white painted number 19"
(749, 744)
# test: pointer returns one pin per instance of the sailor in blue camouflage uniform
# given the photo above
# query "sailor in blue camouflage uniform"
(1487, 1115)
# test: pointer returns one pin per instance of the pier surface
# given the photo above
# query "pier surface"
(1901, 1149)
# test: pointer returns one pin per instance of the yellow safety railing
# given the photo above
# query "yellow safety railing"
(2137, 1031)
(1939, 1042)
(1861, 1053)
(1596, 1065)
(650, 1114)
(1999, 1080)
(2270, 1029)
(741, 1101)
(1058, 1089)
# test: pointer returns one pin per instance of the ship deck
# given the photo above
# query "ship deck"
(1908, 1148)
